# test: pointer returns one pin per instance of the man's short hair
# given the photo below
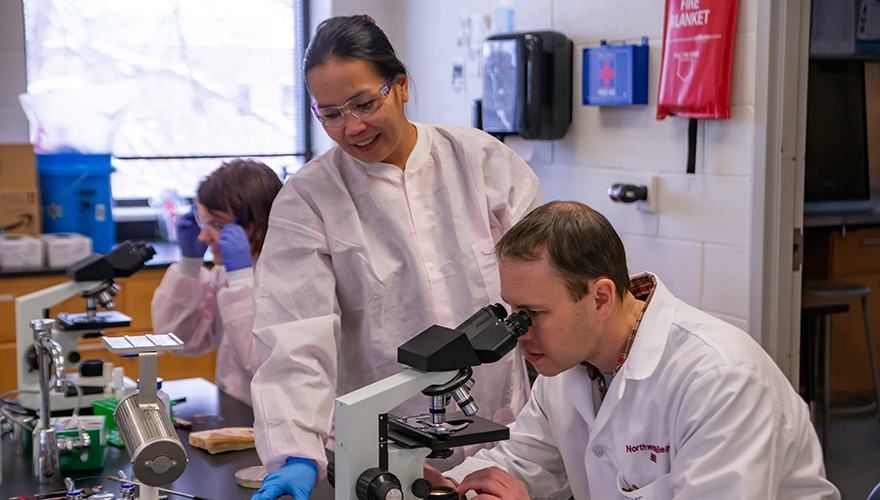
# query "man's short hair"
(579, 242)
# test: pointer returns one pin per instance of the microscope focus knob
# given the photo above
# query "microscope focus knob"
(421, 488)
(378, 484)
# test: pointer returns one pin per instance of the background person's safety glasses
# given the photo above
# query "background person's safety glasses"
(213, 226)
(360, 106)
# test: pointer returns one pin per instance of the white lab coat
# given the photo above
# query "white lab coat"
(208, 311)
(359, 258)
(697, 411)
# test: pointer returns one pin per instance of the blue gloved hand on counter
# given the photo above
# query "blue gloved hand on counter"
(235, 247)
(295, 478)
(188, 236)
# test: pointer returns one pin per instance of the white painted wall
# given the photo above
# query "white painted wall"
(699, 241)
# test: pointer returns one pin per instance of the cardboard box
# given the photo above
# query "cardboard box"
(19, 251)
(17, 166)
(20, 211)
(63, 249)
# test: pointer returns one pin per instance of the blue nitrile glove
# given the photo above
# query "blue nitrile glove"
(295, 478)
(188, 236)
(235, 247)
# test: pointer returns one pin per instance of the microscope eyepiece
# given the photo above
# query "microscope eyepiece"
(518, 323)
(498, 310)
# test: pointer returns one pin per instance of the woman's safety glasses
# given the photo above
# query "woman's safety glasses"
(360, 106)
(211, 225)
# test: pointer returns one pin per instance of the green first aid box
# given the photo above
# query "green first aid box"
(95, 426)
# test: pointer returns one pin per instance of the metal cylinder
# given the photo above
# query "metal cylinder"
(465, 401)
(157, 457)
(438, 409)
(46, 467)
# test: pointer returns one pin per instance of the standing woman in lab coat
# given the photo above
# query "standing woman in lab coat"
(214, 309)
(386, 234)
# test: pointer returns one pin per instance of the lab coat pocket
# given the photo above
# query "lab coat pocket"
(485, 257)
(660, 489)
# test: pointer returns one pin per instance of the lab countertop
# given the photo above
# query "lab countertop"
(208, 476)
(841, 216)
(166, 254)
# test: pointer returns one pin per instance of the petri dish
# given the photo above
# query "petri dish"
(251, 477)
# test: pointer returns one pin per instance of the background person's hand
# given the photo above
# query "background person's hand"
(295, 478)
(235, 247)
(493, 484)
(188, 236)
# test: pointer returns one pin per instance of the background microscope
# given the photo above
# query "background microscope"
(92, 278)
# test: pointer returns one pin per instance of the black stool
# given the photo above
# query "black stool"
(821, 299)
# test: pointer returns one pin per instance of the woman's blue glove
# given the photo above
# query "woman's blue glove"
(234, 247)
(188, 236)
(295, 478)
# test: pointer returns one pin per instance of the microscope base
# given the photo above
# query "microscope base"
(62, 402)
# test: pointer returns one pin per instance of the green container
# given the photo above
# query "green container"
(83, 459)
(106, 407)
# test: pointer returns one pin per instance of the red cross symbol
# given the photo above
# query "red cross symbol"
(606, 74)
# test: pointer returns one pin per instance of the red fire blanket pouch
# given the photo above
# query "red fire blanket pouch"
(697, 58)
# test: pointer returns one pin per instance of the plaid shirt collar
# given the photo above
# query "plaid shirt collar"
(642, 287)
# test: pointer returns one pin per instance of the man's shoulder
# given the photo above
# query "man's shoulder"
(699, 335)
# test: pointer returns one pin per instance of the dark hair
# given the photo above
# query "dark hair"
(246, 189)
(353, 37)
(579, 242)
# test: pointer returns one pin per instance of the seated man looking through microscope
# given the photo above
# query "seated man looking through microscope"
(639, 395)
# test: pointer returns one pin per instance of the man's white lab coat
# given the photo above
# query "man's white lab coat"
(359, 258)
(697, 411)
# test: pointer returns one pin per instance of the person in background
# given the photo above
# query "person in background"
(639, 394)
(369, 244)
(213, 309)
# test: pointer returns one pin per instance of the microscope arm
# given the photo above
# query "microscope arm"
(29, 307)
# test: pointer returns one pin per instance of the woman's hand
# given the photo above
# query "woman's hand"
(493, 484)
(188, 236)
(235, 247)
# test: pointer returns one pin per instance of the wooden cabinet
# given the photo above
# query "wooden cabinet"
(134, 298)
(852, 256)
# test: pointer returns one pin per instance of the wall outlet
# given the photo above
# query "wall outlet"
(653, 183)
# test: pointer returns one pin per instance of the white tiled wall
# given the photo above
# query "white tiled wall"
(699, 240)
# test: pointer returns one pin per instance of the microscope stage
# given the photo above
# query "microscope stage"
(105, 319)
(479, 430)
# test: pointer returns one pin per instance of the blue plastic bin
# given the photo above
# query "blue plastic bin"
(75, 192)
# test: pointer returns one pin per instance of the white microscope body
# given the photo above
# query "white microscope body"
(92, 278)
(379, 456)
(357, 431)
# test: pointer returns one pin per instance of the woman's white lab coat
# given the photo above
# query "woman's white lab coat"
(211, 310)
(359, 258)
(697, 411)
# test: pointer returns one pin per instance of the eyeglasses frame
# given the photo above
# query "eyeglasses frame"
(384, 89)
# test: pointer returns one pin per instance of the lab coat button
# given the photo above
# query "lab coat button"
(598, 451)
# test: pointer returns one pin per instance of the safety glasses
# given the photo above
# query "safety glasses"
(360, 106)
(211, 225)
